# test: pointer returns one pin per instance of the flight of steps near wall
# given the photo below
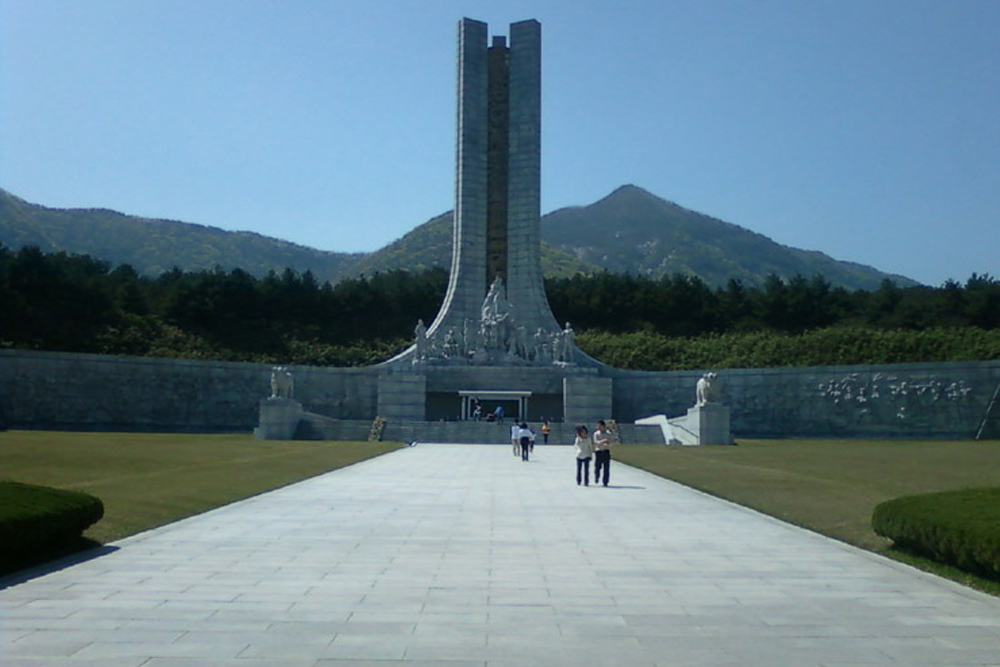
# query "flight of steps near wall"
(318, 427)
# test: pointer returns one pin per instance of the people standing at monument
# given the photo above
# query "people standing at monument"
(545, 431)
(584, 451)
(602, 452)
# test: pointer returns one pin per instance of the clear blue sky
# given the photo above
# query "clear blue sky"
(866, 129)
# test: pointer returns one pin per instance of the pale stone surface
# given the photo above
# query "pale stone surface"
(464, 555)
(279, 417)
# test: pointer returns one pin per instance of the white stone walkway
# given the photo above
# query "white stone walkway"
(461, 555)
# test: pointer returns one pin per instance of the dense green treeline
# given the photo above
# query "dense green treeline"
(681, 305)
(76, 303)
(830, 346)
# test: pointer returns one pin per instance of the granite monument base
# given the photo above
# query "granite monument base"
(279, 418)
(706, 424)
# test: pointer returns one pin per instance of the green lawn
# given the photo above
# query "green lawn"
(148, 480)
(830, 486)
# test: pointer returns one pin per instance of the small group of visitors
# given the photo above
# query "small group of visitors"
(522, 438)
(597, 447)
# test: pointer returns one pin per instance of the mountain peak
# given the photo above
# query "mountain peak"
(629, 231)
(634, 231)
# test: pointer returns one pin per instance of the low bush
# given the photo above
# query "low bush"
(38, 522)
(960, 528)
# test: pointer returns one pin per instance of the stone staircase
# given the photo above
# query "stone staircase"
(317, 427)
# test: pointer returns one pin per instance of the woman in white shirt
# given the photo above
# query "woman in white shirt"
(584, 450)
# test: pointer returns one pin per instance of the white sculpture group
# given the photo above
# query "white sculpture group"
(496, 338)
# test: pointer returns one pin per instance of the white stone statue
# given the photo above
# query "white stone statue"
(497, 319)
(420, 333)
(282, 382)
(541, 347)
(450, 347)
(705, 389)
(568, 342)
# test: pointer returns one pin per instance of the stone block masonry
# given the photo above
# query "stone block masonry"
(51, 390)
(587, 399)
(87, 392)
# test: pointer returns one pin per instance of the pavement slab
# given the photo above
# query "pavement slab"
(463, 555)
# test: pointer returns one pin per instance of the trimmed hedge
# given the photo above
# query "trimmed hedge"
(960, 528)
(38, 522)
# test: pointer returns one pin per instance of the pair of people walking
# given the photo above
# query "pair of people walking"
(523, 440)
(597, 447)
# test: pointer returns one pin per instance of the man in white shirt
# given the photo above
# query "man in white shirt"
(602, 452)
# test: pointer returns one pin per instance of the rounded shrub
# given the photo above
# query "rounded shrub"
(960, 528)
(36, 522)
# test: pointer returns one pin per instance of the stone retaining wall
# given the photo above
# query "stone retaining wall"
(939, 400)
(87, 392)
(44, 390)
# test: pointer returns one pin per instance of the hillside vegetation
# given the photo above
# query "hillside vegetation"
(630, 230)
(76, 303)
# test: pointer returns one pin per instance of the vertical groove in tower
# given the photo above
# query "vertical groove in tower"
(497, 161)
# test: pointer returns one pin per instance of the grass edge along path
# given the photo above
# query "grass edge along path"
(150, 480)
(830, 486)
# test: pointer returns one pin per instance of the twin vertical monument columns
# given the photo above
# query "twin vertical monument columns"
(495, 310)
(495, 338)
(494, 346)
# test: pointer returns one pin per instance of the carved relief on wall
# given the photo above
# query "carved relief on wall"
(884, 398)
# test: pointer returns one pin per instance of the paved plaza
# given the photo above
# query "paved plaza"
(461, 556)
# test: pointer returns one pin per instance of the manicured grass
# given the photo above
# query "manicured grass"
(829, 486)
(148, 480)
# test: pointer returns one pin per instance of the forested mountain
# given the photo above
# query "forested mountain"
(429, 246)
(155, 246)
(634, 231)
(629, 231)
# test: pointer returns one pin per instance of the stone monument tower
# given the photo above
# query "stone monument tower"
(495, 342)
(495, 310)
(497, 188)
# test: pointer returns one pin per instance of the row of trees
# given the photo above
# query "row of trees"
(77, 303)
(681, 305)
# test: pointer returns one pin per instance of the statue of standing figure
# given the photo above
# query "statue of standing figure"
(568, 343)
(420, 332)
(496, 318)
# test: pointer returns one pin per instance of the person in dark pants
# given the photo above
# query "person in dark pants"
(584, 451)
(526, 437)
(602, 453)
